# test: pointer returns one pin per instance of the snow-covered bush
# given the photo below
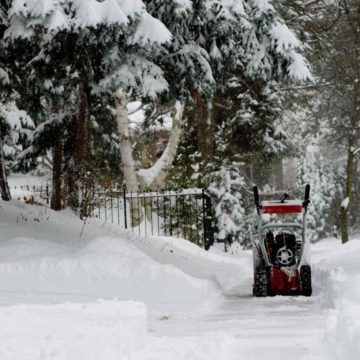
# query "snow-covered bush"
(18, 128)
(227, 190)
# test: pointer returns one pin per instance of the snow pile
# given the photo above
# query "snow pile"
(339, 277)
(95, 331)
(44, 256)
(232, 273)
(52, 276)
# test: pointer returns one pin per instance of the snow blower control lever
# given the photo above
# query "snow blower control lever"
(257, 199)
(307, 197)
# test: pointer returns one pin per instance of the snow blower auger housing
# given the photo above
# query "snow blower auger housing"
(281, 251)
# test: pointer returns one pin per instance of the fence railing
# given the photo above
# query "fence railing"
(176, 213)
(184, 213)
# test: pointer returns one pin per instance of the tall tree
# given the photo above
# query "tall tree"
(99, 38)
(337, 66)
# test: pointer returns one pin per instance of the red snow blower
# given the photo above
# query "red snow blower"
(281, 251)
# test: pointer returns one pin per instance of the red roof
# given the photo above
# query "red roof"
(276, 207)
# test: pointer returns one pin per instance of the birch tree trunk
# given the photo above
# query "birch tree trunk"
(155, 176)
(144, 178)
(128, 164)
(122, 119)
(4, 186)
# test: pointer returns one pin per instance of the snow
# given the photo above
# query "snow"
(140, 74)
(56, 259)
(109, 330)
(25, 15)
(110, 294)
(345, 203)
(299, 69)
(4, 77)
(339, 272)
(22, 186)
(151, 30)
(15, 117)
(283, 38)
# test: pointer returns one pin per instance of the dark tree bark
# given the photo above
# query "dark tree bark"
(4, 186)
(352, 131)
(203, 122)
(345, 210)
(77, 166)
(57, 175)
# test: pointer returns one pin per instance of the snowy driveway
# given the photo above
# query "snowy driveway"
(185, 303)
(279, 328)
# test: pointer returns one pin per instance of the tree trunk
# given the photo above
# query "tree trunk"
(145, 178)
(78, 165)
(345, 206)
(128, 165)
(4, 186)
(203, 121)
(155, 176)
(57, 175)
(352, 141)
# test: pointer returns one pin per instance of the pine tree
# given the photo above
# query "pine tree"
(227, 187)
(5, 90)
(337, 68)
(319, 172)
(102, 40)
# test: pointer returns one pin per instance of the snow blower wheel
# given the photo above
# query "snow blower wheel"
(260, 288)
(281, 253)
(305, 280)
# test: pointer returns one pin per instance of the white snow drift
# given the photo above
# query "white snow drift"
(65, 291)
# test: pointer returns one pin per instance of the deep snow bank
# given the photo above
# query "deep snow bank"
(51, 276)
(43, 257)
(338, 279)
(232, 272)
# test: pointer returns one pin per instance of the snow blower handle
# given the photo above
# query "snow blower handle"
(257, 199)
(306, 201)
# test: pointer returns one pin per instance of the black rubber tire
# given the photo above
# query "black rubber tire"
(260, 288)
(305, 281)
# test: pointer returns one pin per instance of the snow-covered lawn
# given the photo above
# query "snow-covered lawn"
(69, 291)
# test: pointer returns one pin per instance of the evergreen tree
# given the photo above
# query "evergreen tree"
(319, 172)
(227, 187)
(101, 39)
(235, 109)
(5, 91)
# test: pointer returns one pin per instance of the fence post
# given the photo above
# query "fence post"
(208, 221)
(47, 194)
(125, 209)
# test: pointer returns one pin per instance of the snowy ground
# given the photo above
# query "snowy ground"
(70, 291)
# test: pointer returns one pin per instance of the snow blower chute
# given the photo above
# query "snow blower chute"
(281, 251)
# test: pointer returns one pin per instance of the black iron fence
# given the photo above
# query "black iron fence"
(184, 213)
(176, 213)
